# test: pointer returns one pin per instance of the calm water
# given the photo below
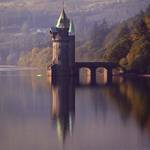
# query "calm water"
(36, 115)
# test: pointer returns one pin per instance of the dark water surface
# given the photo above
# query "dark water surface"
(36, 115)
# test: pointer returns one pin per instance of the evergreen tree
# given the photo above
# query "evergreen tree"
(98, 34)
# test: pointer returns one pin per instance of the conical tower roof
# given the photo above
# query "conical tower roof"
(63, 21)
(71, 28)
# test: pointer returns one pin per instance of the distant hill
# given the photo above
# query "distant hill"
(16, 12)
(36, 58)
(127, 43)
(20, 21)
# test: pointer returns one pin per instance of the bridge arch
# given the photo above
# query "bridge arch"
(85, 75)
(101, 75)
(92, 70)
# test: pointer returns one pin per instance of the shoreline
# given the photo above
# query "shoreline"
(15, 68)
(144, 75)
(133, 75)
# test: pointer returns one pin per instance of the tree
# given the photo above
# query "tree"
(98, 34)
(139, 28)
(119, 50)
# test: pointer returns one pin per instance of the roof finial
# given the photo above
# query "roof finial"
(63, 4)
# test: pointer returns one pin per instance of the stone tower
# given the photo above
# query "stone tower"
(63, 47)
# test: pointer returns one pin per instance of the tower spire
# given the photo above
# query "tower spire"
(71, 28)
(63, 21)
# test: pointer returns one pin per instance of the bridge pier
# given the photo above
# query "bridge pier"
(109, 75)
(93, 75)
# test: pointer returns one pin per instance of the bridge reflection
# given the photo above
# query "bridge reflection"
(130, 98)
(63, 103)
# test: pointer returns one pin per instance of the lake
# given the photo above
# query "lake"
(38, 115)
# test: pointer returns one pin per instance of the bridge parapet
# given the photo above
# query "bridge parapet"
(90, 65)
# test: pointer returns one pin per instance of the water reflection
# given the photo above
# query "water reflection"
(72, 116)
(130, 98)
(63, 106)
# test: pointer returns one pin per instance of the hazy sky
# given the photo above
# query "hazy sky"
(40, 3)
(71, 5)
(59, 1)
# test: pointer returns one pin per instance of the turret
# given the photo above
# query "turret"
(63, 22)
(63, 45)
(71, 28)
(60, 40)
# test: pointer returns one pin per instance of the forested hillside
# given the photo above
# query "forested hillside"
(131, 46)
(127, 43)
(24, 24)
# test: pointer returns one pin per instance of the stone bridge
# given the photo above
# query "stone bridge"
(63, 53)
(55, 72)
(92, 66)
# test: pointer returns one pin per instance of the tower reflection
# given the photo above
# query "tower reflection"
(63, 106)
